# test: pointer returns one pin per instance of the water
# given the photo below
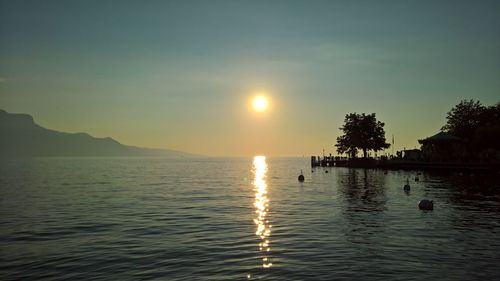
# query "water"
(240, 219)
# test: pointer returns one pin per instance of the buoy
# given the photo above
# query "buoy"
(301, 176)
(425, 204)
(407, 185)
(326, 171)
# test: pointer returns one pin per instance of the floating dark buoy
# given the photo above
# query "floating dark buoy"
(425, 204)
(406, 187)
(326, 171)
(301, 176)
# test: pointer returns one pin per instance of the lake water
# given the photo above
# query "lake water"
(241, 219)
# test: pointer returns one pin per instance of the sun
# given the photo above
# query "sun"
(260, 103)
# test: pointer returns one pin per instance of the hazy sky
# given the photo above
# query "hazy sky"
(179, 74)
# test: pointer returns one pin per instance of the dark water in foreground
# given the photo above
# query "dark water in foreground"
(239, 219)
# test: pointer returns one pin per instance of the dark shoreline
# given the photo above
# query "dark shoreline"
(400, 164)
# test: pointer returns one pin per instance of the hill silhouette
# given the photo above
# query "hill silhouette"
(20, 136)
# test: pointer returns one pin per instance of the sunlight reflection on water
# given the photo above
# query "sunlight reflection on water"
(193, 219)
(261, 204)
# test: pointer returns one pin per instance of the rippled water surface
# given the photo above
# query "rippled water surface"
(240, 219)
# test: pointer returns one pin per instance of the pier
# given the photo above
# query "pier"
(398, 163)
(329, 161)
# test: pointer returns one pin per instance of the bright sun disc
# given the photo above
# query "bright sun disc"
(260, 103)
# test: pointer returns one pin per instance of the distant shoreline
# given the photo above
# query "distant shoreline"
(399, 164)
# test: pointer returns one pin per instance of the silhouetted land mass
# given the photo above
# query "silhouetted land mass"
(470, 139)
(20, 136)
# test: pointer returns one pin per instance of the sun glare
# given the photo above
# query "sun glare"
(260, 103)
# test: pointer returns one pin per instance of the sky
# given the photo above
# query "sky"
(181, 74)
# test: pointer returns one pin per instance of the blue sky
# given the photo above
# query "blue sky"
(178, 74)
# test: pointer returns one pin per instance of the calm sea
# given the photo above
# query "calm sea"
(241, 219)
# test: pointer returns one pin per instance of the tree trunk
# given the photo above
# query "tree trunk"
(364, 152)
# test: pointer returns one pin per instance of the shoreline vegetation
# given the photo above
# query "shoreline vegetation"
(470, 140)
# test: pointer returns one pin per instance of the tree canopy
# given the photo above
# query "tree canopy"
(361, 131)
(477, 124)
(464, 118)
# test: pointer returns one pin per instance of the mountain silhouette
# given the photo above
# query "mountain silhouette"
(20, 136)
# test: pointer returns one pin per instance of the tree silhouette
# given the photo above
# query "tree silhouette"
(464, 119)
(488, 134)
(363, 132)
(478, 125)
